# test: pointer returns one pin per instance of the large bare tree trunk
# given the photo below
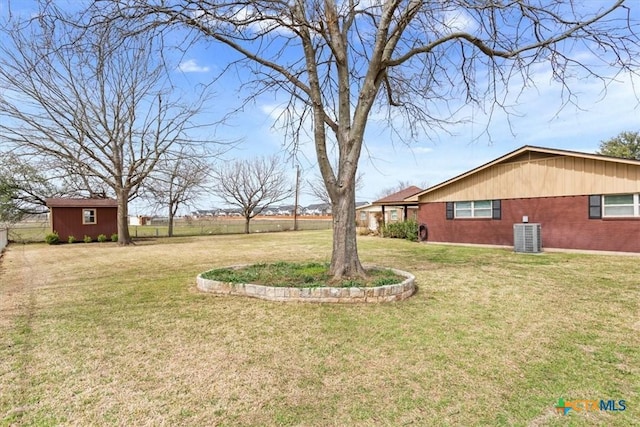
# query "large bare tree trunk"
(344, 260)
(246, 225)
(123, 218)
(170, 230)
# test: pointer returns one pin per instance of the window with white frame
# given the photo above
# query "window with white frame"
(89, 216)
(394, 215)
(621, 205)
(473, 209)
(363, 215)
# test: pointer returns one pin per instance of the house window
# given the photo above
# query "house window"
(474, 209)
(89, 216)
(363, 216)
(621, 205)
(496, 206)
(394, 215)
(595, 207)
(449, 210)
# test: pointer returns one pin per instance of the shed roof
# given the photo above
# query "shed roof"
(60, 202)
(399, 197)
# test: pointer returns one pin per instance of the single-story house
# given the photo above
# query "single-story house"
(368, 216)
(391, 208)
(83, 217)
(580, 200)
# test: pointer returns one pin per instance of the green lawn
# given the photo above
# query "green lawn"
(97, 334)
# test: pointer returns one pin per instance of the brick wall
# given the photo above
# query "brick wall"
(565, 224)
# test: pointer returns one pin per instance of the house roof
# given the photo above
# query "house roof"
(524, 153)
(81, 203)
(400, 197)
(368, 206)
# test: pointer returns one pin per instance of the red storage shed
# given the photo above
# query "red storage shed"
(83, 217)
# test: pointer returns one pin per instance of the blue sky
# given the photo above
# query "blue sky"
(539, 119)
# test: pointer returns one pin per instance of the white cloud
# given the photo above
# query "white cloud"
(422, 150)
(273, 111)
(191, 66)
(458, 20)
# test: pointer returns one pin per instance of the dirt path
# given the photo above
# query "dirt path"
(18, 294)
(17, 283)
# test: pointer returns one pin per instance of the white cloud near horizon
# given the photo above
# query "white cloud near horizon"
(191, 66)
(422, 150)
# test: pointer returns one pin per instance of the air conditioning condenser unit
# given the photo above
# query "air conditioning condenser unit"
(527, 238)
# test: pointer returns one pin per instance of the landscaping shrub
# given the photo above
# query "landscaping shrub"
(402, 230)
(102, 238)
(71, 239)
(87, 239)
(363, 231)
(114, 237)
(52, 238)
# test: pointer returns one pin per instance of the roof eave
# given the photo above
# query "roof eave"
(518, 152)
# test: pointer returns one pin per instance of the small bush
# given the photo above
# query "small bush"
(71, 239)
(363, 231)
(114, 237)
(87, 239)
(52, 238)
(402, 230)
(102, 238)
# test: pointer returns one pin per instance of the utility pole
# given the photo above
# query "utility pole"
(295, 207)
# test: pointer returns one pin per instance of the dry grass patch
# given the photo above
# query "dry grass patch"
(98, 334)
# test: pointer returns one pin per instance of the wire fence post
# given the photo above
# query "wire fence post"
(4, 238)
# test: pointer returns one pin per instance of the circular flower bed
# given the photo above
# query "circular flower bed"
(239, 284)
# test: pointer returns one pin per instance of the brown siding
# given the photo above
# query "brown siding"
(564, 220)
(547, 177)
(67, 221)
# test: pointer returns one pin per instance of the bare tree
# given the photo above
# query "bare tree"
(97, 103)
(178, 179)
(252, 185)
(420, 60)
(315, 187)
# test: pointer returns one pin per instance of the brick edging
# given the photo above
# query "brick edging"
(386, 293)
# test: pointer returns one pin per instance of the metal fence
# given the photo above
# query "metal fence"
(227, 227)
(4, 238)
(30, 232)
